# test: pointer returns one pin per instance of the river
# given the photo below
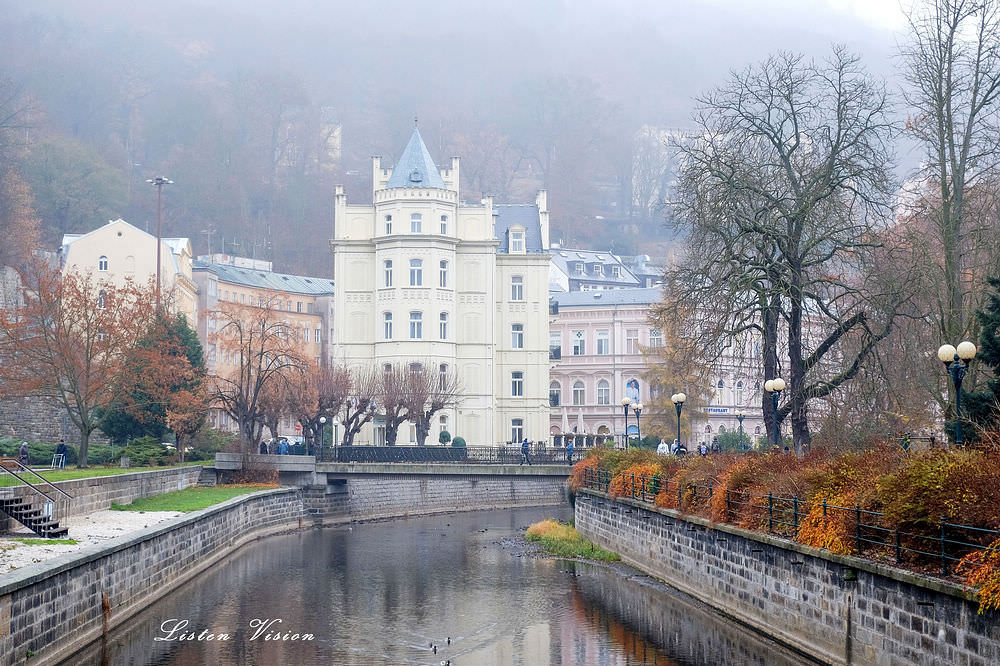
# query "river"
(390, 592)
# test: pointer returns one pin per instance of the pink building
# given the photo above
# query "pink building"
(595, 351)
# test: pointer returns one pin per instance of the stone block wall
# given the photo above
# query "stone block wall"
(384, 496)
(53, 608)
(40, 419)
(841, 610)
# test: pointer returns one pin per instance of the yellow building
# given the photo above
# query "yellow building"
(118, 251)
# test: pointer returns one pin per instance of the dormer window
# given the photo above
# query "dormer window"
(616, 271)
(579, 267)
(517, 241)
(599, 270)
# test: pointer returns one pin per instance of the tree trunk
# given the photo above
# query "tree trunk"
(770, 354)
(796, 371)
(81, 461)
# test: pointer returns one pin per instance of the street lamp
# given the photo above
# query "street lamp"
(775, 387)
(322, 437)
(740, 415)
(637, 408)
(626, 401)
(678, 400)
(956, 362)
(158, 183)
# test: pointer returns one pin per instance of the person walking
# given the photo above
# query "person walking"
(524, 452)
(61, 451)
(570, 445)
(22, 454)
(702, 449)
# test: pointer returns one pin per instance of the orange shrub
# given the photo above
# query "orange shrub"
(981, 570)
(579, 474)
(635, 479)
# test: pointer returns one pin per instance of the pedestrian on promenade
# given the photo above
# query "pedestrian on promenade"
(524, 452)
(702, 449)
(263, 447)
(283, 447)
(569, 451)
(61, 451)
(22, 454)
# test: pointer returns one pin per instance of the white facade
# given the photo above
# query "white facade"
(422, 277)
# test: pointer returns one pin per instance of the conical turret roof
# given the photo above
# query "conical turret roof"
(415, 167)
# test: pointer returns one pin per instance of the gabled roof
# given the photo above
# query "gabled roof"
(415, 167)
(562, 257)
(524, 215)
(249, 277)
(640, 296)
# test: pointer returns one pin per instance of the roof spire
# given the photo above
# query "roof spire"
(415, 167)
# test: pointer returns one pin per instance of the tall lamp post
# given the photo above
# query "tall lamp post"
(158, 183)
(678, 400)
(775, 387)
(637, 408)
(322, 437)
(956, 363)
(625, 403)
(740, 415)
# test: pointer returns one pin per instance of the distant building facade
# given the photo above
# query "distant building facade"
(118, 251)
(424, 278)
(588, 270)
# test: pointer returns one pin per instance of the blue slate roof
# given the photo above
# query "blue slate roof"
(249, 277)
(415, 167)
(525, 215)
(639, 296)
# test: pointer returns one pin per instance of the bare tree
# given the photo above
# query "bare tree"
(952, 71)
(322, 393)
(360, 407)
(266, 354)
(783, 195)
(430, 391)
(394, 398)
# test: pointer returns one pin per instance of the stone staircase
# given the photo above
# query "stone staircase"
(28, 514)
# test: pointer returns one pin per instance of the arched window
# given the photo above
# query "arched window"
(739, 392)
(708, 429)
(555, 393)
(416, 272)
(756, 430)
(443, 281)
(603, 392)
(722, 429)
(721, 384)
(102, 263)
(579, 394)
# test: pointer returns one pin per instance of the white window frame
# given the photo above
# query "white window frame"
(655, 338)
(603, 342)
(388, 224)
(416, 272)
(603, 392)
(387, 272)
(444, 225)
(443, 274)
(416, 223)
(443, 326)
(387, 326)
(517, 384)
(631, 341)
(516, 430)
(416, 325)
(517, 287)
(517, 336)
(579, 343)
(579, 393)
(518, 241)
(102, 263)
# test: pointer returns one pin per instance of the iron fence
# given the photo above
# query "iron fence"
(866, 533)
(485, 455)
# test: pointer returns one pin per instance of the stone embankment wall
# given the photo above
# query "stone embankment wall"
(385, 496)
(51, 609)
(97, 493)
(840, 610)
(40, 419)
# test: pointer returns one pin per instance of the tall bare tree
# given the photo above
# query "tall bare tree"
(952, 70)
(783, 195)
(360, 407)
(430, 391)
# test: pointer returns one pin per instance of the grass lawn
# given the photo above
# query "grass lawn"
(71, 473)
(189, 499)
(562, 540)
(46, 542)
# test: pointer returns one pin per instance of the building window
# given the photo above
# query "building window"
(603, 343)
(443, 423)
(579, 395)
(443, 275)
(579, 267)
(442, 379)
(416, 221)
(387, 325)
(517, 384)
(579, 344)
(739, 392)
(387, 272)
(555, 393)
(603, 392)
(388, 224)
(756, 430)
(444, 225)
(516, 430)
(443, 326)
(616, 271)
(416, 325)
(517, 288)
(599, 270)
(655, 337)
(555, 344)
(298, 306)
(721, 384)
(416, 272)
(632, 341)
(101, 298)
(708, 429)
(517, 336)
(102, 263)
(316, 337)
(517, 242)
(305, 334)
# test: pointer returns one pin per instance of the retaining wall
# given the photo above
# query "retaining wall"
(49, 610)
(840, 610)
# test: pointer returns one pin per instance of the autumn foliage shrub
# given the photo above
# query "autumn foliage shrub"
(981, 569)
(634, 480)
(580, 470)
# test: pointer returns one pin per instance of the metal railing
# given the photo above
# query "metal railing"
(867, 533)
(487, 455)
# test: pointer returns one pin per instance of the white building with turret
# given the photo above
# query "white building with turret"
(423, 277)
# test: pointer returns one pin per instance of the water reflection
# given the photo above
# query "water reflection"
(385, 593)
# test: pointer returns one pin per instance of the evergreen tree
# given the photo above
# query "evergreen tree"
(983, 407)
